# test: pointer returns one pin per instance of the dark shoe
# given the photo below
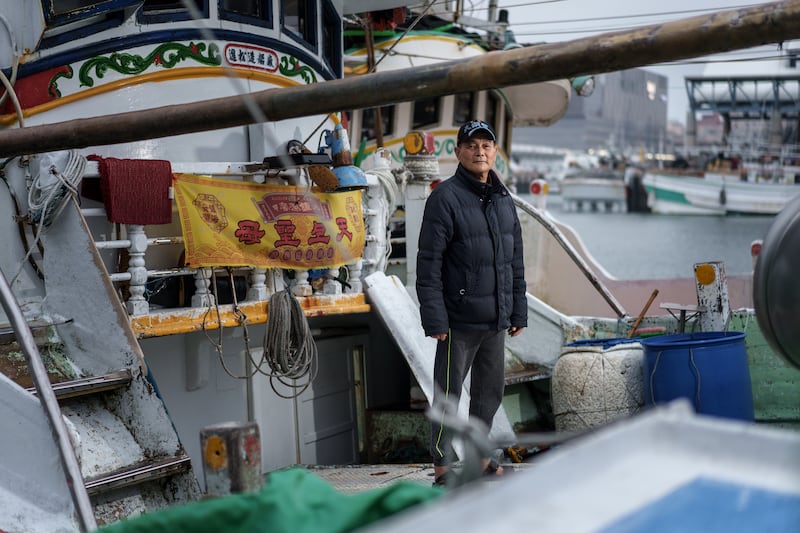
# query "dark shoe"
(493, 470)
(443, 479)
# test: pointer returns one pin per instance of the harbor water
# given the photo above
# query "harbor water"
(651, 246)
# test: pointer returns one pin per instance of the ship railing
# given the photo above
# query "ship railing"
(261, 282)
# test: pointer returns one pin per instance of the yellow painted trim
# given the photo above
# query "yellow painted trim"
(180, 321)
(152, 77)
(371, 148)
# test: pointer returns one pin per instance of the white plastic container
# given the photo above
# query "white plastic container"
(597, 381)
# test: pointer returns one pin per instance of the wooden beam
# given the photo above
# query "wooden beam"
(682, 39)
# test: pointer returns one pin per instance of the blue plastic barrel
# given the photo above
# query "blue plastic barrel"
(710, 369)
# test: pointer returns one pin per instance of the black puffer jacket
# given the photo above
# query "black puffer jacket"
(470, 272)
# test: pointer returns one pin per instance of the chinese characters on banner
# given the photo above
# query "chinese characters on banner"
(233, 223)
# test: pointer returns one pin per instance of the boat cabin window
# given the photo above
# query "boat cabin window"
(463, 108)
(62, 7)
(169, 10)
(426, 113)
(297, 17)
(332, 37)
(258, 12)
(368, 129)
(68, 20)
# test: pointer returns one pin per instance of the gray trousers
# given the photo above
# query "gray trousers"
(483, 351)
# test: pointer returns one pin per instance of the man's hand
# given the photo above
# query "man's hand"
(439, 336)
(515, 330)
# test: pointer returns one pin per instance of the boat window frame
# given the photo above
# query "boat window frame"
(309, 38)
(387, 118)
(84, 21)
(53, 19)
(267, 20)
(171, 15)
(437, 118)
(332, 52)
(473, 98)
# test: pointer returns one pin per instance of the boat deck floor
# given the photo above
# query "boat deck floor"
(351, 479)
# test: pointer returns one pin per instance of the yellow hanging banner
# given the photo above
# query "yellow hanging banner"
(235, 223)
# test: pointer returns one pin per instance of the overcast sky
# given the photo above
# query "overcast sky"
(535, 21)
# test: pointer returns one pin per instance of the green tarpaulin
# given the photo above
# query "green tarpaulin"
(291, 501)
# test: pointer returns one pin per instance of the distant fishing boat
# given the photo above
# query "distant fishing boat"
(594, 189)
(757, 170)
(756, 186)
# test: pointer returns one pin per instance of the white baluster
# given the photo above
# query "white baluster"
(331, 286)
(136, 304)
(354, 277)
(300, 285)
(202, 296)
(258, 288)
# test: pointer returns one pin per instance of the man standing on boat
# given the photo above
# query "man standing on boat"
(470, 284)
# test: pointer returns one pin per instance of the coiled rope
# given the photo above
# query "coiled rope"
(289, 347)
(57, 180)
(49, 192)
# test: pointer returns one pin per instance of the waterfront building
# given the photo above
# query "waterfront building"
(626, 113)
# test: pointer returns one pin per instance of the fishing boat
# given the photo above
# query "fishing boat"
(596, 189)
(436, 38)
(760, 184)
(193, 253)
(757, 169)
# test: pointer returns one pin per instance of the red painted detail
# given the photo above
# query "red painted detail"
(33, 90)
(755, 249)
(435, 183)
(430, 144)
(536, 187)
(252, 448)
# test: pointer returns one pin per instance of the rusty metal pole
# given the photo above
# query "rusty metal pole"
(682, 39)
(231, 458)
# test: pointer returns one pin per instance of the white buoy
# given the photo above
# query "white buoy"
(596, 382)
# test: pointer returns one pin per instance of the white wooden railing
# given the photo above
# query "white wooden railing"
(260, 284)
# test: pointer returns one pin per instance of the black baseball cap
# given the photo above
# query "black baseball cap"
(468, 129)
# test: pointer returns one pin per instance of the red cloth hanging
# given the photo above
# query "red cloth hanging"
(136, 191)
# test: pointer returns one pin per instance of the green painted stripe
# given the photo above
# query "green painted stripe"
(670, 196)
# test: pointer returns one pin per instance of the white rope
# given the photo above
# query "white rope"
(50, 191)
(58, 177)
(391, 192)
(387, 181)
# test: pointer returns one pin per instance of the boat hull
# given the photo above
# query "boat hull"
(714, 194)
(596, 193)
